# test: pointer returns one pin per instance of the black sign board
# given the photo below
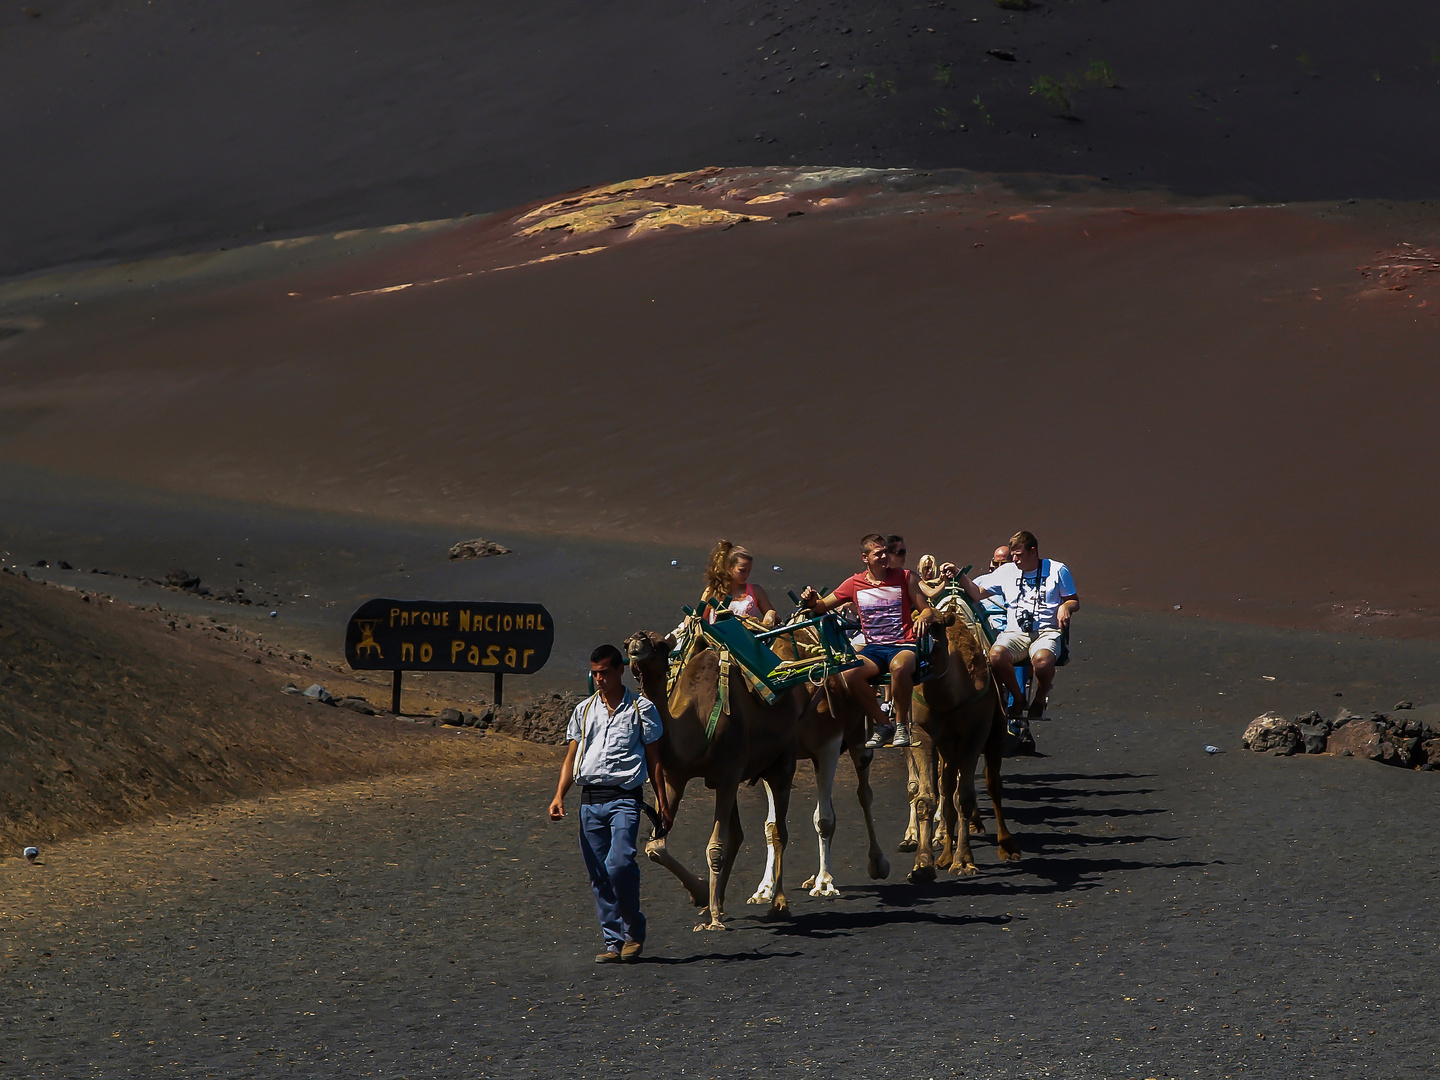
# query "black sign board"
(447, 635)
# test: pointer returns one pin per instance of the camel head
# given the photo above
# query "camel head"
(649, 652)
(938, 632)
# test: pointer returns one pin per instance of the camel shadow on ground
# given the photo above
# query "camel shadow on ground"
(729, 958)
(839, 922)
(1050, 799)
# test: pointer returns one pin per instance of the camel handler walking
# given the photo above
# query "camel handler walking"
(892, 609)
(613, 735)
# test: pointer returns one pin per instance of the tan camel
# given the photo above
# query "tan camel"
(958, 715)
(751, 740)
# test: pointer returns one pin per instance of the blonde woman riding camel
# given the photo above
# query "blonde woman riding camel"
(727, 579)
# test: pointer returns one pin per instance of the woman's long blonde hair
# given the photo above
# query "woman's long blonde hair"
(719, 576)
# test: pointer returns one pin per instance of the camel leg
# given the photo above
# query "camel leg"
(1004, 840)
(735, 838)
(763, 894)
(879, 865)
(977, 823)
(827, 760)
(909, 842)
(948, 825)
(657, 852)
(780, 780)
(921, 760)
(964, 862)
(718, 854)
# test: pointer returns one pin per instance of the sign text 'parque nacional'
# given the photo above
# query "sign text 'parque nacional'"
(435, 635)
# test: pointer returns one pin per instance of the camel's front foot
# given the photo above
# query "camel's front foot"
(922, 874)
(879, 865)
(908, 844)
(763, 895)
(977, 825)
(964, 866)
(1009, 850)
(779, 908)
(710, 921)
(822, 886)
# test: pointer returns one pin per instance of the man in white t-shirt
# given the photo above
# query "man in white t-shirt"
(1040, 598)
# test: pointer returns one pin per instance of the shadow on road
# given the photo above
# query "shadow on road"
(837, 923)
(753, 954)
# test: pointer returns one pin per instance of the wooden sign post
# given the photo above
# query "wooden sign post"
(445, 635)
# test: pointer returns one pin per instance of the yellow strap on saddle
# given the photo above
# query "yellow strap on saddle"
(722, 697)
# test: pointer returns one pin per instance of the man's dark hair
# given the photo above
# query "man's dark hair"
(872, 540)
(1023, 541)
(607, 655)
(892, 542)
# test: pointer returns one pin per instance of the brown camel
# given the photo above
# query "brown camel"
(958, 715)
(751, 741)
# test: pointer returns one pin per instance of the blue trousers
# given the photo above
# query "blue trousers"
(607, 843)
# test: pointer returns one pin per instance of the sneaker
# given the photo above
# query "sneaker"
(881, 736)
(902, 735)
(630, 951)
(607, 957)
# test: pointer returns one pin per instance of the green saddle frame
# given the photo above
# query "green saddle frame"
(766, 672)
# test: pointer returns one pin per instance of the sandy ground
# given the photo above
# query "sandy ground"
(1174, 915)
(138, 126)
(1223, 409)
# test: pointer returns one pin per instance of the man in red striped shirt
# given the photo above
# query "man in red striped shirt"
(888, 599)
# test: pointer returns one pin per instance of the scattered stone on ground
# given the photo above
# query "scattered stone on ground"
(184, 581)
(320, 694)
(1271, 732)
(478, 548)
(1390, 740)
(542, 720)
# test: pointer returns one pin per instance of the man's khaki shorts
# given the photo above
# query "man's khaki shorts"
(1020, 645)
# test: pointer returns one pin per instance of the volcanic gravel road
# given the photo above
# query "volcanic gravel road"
(1174, 915)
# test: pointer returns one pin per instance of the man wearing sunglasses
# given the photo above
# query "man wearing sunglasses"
(892, 609)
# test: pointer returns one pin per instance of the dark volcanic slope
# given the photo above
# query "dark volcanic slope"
(134, 126)
(107, 715)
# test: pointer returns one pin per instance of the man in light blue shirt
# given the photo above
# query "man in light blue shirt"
(613, 736)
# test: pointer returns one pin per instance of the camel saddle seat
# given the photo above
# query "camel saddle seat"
(820, 650)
